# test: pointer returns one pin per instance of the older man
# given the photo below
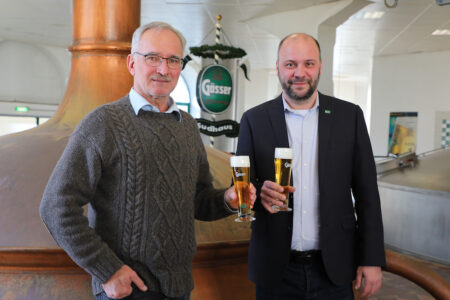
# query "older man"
(141, 166)
(316, 250)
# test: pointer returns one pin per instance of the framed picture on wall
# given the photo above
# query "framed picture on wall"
(402, 132)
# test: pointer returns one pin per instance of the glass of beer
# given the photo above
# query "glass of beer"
(283, 163)
(240, 167)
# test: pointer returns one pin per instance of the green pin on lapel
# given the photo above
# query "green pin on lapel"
(327, 111)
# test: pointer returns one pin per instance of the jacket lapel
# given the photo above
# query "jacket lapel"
(275, 114)
(278, 123)
(325, 125)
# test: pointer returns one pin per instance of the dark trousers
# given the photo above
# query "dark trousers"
(305, 279)
(139, 295)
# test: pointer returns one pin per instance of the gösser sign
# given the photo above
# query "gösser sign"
(214, 89)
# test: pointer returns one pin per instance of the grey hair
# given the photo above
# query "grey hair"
(154, 25)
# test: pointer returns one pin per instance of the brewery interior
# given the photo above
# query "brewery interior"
(390, 57)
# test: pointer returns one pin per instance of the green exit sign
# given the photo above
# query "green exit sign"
(22, 108)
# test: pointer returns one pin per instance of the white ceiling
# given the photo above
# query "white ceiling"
(406, 28)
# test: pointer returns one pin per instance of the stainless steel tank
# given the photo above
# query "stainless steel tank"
(415, 201)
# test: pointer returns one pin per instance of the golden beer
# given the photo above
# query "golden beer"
(283, 167)
(240, 167)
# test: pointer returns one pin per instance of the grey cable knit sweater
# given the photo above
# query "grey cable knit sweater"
(145, 178)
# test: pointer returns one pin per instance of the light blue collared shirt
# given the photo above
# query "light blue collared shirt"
(138, 102)
(302, 127)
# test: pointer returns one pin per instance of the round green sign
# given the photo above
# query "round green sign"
(214, 89)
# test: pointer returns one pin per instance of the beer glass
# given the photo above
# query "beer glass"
(240, 167)
(283, 163)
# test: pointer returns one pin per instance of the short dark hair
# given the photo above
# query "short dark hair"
(298, 33)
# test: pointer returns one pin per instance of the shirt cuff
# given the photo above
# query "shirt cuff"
(228, 207)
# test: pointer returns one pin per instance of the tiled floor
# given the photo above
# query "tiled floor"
(398, 288)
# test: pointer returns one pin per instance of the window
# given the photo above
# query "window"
(181, 95)
(10, 124)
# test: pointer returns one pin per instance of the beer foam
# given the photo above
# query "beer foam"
(240, 161)
(284, 153)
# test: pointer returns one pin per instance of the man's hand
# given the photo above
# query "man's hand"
(119, 285)
(232, 198)
(372, 277)
(272, 194)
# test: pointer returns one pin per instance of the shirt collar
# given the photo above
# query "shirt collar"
(301, 112)
(138, 102)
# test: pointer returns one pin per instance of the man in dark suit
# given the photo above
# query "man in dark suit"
(328, 240)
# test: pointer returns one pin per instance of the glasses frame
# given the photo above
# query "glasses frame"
(161, 58)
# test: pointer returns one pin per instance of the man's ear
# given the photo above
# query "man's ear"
(130, 64)
(320, 70)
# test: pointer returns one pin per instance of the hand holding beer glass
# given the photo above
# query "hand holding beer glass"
(283, 164)
(240, 167)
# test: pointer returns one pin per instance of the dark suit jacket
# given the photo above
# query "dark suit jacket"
(346, 165)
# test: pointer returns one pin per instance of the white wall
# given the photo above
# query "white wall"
(409, 83)
(263, 85)
(354, 91)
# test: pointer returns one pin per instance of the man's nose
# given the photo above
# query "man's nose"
(300, 71)
(163, 69)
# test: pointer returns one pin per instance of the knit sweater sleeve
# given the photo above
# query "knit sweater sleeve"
(209, 202)
(71, 186)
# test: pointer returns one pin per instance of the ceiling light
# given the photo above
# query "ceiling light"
(441, 32)
(373, 14)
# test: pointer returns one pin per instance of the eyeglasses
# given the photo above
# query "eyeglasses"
(155, 60)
